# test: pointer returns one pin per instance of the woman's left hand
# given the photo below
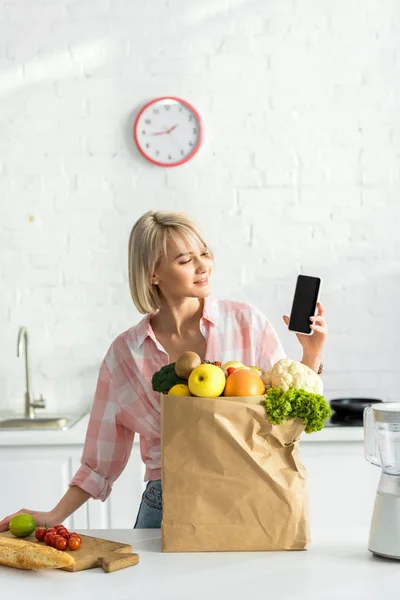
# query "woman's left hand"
(313, 345)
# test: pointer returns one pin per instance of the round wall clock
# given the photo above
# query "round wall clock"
(168, 131)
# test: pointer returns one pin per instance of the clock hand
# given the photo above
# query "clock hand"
(172, 128)
(165, 130)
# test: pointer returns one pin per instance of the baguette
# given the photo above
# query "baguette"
(21, 554)
(15, 542)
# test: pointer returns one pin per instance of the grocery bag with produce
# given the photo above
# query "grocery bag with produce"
(231, 471)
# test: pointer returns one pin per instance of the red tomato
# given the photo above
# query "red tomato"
(62, 531)
(74, 543)
(40, 533)
(61, 543)
(76, 535)
(55, 538)
(48, 537)
(52, 530)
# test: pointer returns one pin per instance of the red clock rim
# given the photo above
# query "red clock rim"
(191, 108)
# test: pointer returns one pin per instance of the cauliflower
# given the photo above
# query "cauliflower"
(288, 374)
(295, 391)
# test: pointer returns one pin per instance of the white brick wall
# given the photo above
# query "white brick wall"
(299, 172)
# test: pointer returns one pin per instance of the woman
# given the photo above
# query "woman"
(170, 267)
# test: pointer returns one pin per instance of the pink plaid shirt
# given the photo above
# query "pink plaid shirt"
(125, 404)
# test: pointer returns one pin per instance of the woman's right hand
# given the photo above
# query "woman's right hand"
(41, 519)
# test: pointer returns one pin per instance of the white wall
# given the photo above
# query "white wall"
(299, 172)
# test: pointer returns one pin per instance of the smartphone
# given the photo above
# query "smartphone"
(304, 306)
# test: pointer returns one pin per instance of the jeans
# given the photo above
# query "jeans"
(150, 509)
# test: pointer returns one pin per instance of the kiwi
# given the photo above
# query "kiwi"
(186, 363)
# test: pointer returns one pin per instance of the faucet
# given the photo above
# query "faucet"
(30, 405)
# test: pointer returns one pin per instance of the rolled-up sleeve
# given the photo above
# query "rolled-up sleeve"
(108, 443)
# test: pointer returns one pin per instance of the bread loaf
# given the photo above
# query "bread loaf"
(21, 554)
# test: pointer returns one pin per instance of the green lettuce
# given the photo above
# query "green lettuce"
(313, 409)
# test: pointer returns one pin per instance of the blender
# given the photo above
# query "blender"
(382, 448)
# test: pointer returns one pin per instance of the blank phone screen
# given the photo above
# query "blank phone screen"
(304, 303)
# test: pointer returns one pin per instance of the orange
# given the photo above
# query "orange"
(244, 382)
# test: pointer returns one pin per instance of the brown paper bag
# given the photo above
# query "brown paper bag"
(231, 480)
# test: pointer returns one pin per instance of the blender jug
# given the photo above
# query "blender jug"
(382, 448)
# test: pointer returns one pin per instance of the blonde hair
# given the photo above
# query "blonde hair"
(147, 244)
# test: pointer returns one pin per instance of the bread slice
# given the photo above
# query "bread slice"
(21, 554)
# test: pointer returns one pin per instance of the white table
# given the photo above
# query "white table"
(336, 566)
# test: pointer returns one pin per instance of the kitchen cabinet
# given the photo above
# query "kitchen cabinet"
(342, 484)
(37, 477)
(35, 469)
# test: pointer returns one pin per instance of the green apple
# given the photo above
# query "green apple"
(207, 381)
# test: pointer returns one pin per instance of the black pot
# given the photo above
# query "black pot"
(346, 407)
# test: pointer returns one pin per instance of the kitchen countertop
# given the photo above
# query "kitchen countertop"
(73, 436)
(76, 435)
(337, 566)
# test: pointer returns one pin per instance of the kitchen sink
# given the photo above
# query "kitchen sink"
(49, 423)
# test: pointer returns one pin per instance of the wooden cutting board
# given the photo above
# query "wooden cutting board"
(96, 552)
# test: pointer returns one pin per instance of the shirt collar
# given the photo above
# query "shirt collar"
(144, 328)
(210, 310)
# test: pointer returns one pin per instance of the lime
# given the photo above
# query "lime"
(22, 525)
